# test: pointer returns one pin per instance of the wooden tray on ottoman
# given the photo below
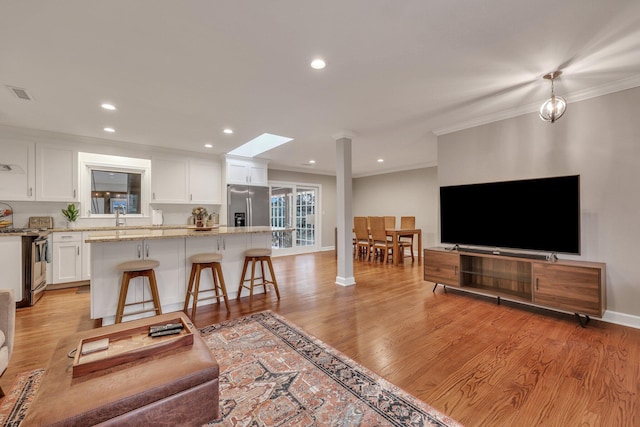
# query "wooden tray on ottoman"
(128, 345)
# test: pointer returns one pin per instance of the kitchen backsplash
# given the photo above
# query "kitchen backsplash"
(173, 214)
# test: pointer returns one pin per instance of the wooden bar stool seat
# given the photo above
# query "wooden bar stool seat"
(131, 270)
(254, 256)
(200, 262)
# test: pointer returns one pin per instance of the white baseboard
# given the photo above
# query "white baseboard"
(621, 319)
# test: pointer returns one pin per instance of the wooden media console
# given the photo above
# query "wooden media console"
(570, 286)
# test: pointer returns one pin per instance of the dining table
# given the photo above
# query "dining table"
(396, 233)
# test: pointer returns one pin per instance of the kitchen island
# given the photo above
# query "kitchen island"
(172, 247)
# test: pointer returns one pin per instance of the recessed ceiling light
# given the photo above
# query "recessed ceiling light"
(312, 162)
(208, 145)
(111, 130)
(318, 64)
(228, 131)
(108, 106)
(380, 160)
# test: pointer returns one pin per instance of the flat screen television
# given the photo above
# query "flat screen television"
(534, 214)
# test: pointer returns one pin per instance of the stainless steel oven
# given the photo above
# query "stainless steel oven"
(34, 264)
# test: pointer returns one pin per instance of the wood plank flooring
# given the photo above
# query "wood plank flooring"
(481, 363)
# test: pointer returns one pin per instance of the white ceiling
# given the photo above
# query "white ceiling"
(398, 72)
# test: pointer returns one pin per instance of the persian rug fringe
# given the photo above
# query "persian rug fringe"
(15, 404)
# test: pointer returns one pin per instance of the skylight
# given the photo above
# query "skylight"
(260, 144)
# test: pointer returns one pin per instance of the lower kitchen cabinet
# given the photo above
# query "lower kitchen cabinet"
(67, 257)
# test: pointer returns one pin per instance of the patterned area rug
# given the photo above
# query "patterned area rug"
(274, 374)
(15, 403)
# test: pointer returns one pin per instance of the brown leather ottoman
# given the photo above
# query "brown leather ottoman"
(176, 387)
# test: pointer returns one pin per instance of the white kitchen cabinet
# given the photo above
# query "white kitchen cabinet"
(11, 264)
(67, 257)
(246, 171)
(17, 170)
(205, 186)
(192, 181)
(168, 180)
(105, 278)
(56, 173)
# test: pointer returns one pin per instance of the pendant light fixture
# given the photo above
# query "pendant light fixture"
(555, 106)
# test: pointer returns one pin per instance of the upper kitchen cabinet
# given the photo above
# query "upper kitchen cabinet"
(168, 180)
(56, 173)
(246, 171)
(41, 172)
(205, 186)
(17, 170)
(185, 181)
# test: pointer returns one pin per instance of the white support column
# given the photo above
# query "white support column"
(344, 210)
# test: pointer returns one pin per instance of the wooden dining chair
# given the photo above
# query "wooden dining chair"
(379, 241)
(363, 243)
(407, 222)
(389, 222)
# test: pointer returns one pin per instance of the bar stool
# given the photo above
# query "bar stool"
(133, 269)
(200, 262)
(253, 256)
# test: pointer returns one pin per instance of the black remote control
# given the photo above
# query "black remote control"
(166, 332)
(168, 327)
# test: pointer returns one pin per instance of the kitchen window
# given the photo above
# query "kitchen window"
(110, 182)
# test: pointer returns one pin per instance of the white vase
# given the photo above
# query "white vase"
(71, 224)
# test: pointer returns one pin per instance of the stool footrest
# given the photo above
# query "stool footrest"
(140, 312)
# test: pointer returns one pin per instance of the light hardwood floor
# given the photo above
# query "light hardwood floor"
(481, 363)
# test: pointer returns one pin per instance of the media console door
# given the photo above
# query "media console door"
(570, 287)
(442, 267)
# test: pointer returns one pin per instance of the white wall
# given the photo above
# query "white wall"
(408, 193)
(599, 139)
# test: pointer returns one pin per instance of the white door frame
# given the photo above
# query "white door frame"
(318, 219)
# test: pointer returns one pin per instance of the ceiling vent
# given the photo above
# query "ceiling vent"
(20, 93)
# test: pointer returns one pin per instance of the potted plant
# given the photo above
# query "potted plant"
(71, 214)
(199, 214)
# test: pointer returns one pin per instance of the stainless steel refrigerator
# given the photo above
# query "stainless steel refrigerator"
(247, 205)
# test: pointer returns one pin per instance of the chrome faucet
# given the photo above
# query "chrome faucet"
(120, 220)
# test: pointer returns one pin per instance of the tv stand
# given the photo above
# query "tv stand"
(569, 286)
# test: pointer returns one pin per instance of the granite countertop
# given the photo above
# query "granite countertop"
(165, 232)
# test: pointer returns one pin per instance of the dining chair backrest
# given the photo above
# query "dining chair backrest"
(408, 222)
(360, 227)
(377, 228)
(389, 222)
